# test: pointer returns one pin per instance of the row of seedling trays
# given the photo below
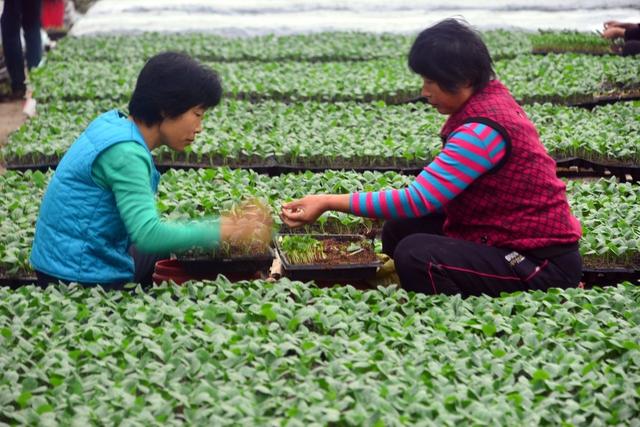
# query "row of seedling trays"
(574, 167)
(326, 259)
(323, 258)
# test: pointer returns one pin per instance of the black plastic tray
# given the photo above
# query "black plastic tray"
(571, 167)
(16, 282)
(609, 276)
(325, 272)
(405, 170)
(207, 267)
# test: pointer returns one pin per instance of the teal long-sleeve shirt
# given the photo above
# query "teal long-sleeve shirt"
(124, 170)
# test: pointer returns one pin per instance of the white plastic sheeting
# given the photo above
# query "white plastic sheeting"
(256, 17)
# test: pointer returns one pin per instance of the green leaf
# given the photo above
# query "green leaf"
(489, 329)
(541, 375)
(23, 399)
(43, 409)
(56, 380)
(267, 311)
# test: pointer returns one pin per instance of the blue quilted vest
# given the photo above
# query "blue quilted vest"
(79, 234)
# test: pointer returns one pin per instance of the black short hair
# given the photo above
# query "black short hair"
(452, 54)
(171, 83)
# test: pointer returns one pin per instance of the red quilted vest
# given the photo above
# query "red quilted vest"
(520, 204)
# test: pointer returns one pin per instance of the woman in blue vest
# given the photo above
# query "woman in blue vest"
(98, 221)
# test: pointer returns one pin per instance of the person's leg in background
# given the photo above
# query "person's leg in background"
(31, 14)
(12, 46)
(631, 47)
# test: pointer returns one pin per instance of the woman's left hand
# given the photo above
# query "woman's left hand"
(303, 211)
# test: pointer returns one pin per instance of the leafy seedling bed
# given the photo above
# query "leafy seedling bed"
(336, 258)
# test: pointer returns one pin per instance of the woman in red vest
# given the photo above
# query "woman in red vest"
(488, 214)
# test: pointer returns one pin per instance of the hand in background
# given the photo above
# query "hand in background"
(613, 33)
(618, 24)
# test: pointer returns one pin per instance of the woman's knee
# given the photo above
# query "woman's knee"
(411, 259)
(418, 246)
(402, 252)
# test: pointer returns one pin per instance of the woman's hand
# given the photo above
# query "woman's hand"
(245, 231)
(618, 24)
(613, 32)
(304, 211)
(250, 223)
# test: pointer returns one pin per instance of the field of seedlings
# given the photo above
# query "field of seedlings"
(327, 113)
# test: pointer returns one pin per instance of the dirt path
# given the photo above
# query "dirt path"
(11, 118)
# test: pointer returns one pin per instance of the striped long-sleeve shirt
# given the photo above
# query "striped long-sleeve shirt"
(472, 150)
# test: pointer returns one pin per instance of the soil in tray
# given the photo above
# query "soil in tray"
(246, 252)
(208, 264)
(336, 253)
(601, 263)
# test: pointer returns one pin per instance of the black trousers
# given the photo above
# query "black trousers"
(429, 262)
(17, 14)
(144, 265)
(631, 47)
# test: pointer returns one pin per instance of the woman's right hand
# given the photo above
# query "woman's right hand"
(613, 33)
(249, 223)
(303, 211)
(618, 24)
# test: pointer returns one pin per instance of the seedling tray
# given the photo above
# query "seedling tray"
(210, 267)
(609, 276)
(16, 282)
(594, 52)
(336, 273)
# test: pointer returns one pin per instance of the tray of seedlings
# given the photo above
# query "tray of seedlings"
(335, 258)
(590, 43)
(203, 264)
(243, 256)
(600, 271)
(609, 276)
